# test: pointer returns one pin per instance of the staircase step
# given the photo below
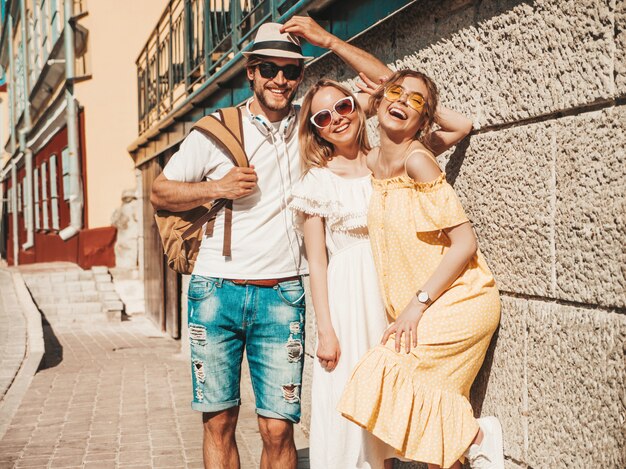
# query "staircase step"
(105, 287)
(101, 278)
(113, 305)
(85, 275)
(113, 316)
(109, 296)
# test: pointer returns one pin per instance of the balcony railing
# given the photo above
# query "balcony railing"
(193, 40)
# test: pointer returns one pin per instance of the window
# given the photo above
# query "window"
(36, 192)
(19, 197)
(44, 195)
(54, 195)
(10, 199)
(65, 166)
(24, 195)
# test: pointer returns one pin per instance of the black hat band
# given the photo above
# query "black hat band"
(278, 45)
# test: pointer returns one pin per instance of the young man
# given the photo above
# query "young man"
(253, 299)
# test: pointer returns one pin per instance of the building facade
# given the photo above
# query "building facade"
(542, 178)
(70, 113)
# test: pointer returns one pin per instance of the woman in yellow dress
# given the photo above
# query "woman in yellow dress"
(412, 391)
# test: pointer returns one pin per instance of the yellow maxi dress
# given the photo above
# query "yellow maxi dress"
(419, 402)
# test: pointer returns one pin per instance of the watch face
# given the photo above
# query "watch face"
(423, 297)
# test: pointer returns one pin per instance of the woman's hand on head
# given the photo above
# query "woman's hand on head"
(406, 324)
(328, 349)
(368, 88)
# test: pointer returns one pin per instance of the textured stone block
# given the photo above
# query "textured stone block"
(540, 57)
(444, 46)
(309, 350)
(620, 48)
(591, 208)
(500, 387)
(310, 324)
(307, 376)
(503, 61)
(576, 375)
(505, 181)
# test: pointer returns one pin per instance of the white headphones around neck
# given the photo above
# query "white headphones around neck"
(287, 125)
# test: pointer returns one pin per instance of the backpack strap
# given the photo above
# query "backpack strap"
(233, 120)
(226, 132)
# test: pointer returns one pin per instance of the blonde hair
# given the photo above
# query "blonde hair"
(427, 117)
(314, 150)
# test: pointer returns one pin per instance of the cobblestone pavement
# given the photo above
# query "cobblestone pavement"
(12, 332)
(116, 395)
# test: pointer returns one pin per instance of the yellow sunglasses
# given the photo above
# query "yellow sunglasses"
(413, 99)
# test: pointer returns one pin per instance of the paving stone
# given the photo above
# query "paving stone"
(99, 408)
(12, 334)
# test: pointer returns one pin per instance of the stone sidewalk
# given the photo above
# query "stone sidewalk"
(116, 395)
(12, 332)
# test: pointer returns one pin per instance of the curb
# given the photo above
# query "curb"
(34, 352)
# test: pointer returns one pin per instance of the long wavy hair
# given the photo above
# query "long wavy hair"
(314, 150)
(427, 117)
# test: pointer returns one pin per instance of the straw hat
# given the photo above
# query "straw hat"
(270, 42)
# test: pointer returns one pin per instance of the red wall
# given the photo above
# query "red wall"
(91, 246)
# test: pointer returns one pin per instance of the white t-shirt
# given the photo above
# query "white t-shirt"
(264, 241)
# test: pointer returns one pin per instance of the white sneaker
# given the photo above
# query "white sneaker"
(490, 453)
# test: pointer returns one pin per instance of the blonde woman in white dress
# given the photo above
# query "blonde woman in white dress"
(331, 204)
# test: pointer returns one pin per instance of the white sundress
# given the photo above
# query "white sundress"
(356, 310)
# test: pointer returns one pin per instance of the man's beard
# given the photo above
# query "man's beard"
(258, 92)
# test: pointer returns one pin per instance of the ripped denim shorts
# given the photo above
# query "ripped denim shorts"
(268, 322)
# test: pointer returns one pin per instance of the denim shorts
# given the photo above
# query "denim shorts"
(268, 322)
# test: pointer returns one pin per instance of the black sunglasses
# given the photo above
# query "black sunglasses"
(269, 70)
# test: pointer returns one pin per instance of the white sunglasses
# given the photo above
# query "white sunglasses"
(323, 118)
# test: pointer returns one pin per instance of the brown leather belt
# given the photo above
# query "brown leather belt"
(269, 282)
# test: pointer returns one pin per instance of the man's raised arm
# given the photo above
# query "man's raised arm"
(357, 59)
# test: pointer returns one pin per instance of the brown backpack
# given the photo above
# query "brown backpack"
(181, 232)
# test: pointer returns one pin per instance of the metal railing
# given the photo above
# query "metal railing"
(192, 40)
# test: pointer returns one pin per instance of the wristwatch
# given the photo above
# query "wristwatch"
(422, 297)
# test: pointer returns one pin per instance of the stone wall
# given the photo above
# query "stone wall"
(543, 180)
